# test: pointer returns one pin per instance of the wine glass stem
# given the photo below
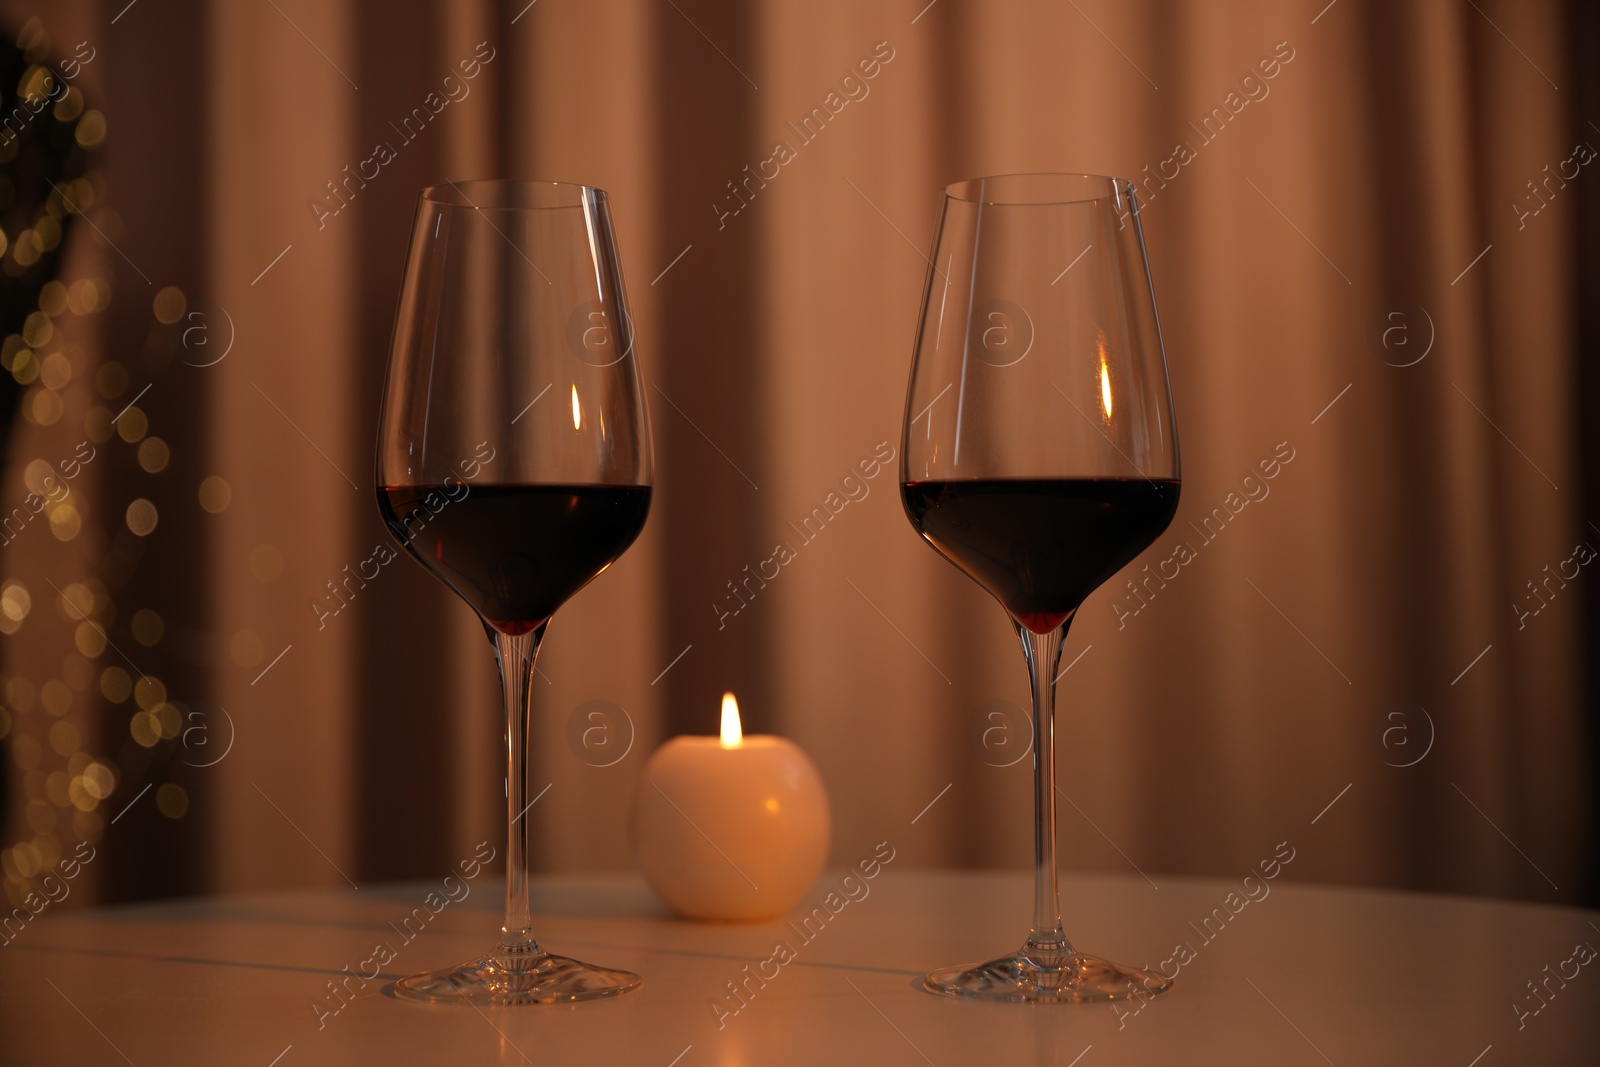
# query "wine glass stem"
(1043, 653)
(516, 656)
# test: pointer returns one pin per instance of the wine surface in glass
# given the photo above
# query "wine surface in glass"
(1041, 545)
(515, 552)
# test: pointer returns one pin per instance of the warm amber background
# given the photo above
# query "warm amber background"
(1384, 159)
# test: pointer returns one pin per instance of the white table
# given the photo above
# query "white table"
(1307, 975)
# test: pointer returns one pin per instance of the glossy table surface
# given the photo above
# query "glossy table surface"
(1300, 975)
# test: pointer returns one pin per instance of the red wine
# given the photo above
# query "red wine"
(515, 552)
(1041, 545)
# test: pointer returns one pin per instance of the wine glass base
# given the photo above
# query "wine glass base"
(499, 981)
(1068, 978)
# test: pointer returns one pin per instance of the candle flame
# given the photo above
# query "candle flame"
(732, 734)
(577, 415)
(1105, 379)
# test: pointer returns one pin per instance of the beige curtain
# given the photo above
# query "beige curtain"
(1309, 175)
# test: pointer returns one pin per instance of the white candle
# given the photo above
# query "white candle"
(732, 828)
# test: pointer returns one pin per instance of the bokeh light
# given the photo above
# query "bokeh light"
(141, 517)
(115, 685)
(144, 729)
(64, 738)
(91, 128)
(172, 800)
(65, 522)
(89, 639)
(153, 455)
(132, 424)
(169, 305)
(215, 494)
(149, 692)
(147, 627)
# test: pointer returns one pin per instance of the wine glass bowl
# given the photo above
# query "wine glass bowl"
(1040, 457)
(513, 463)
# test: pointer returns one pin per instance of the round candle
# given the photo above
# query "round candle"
(732, 828)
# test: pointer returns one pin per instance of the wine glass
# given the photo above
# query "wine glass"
(1039, 457)
(514, 464)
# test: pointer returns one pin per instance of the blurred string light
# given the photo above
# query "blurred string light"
(49, 729)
